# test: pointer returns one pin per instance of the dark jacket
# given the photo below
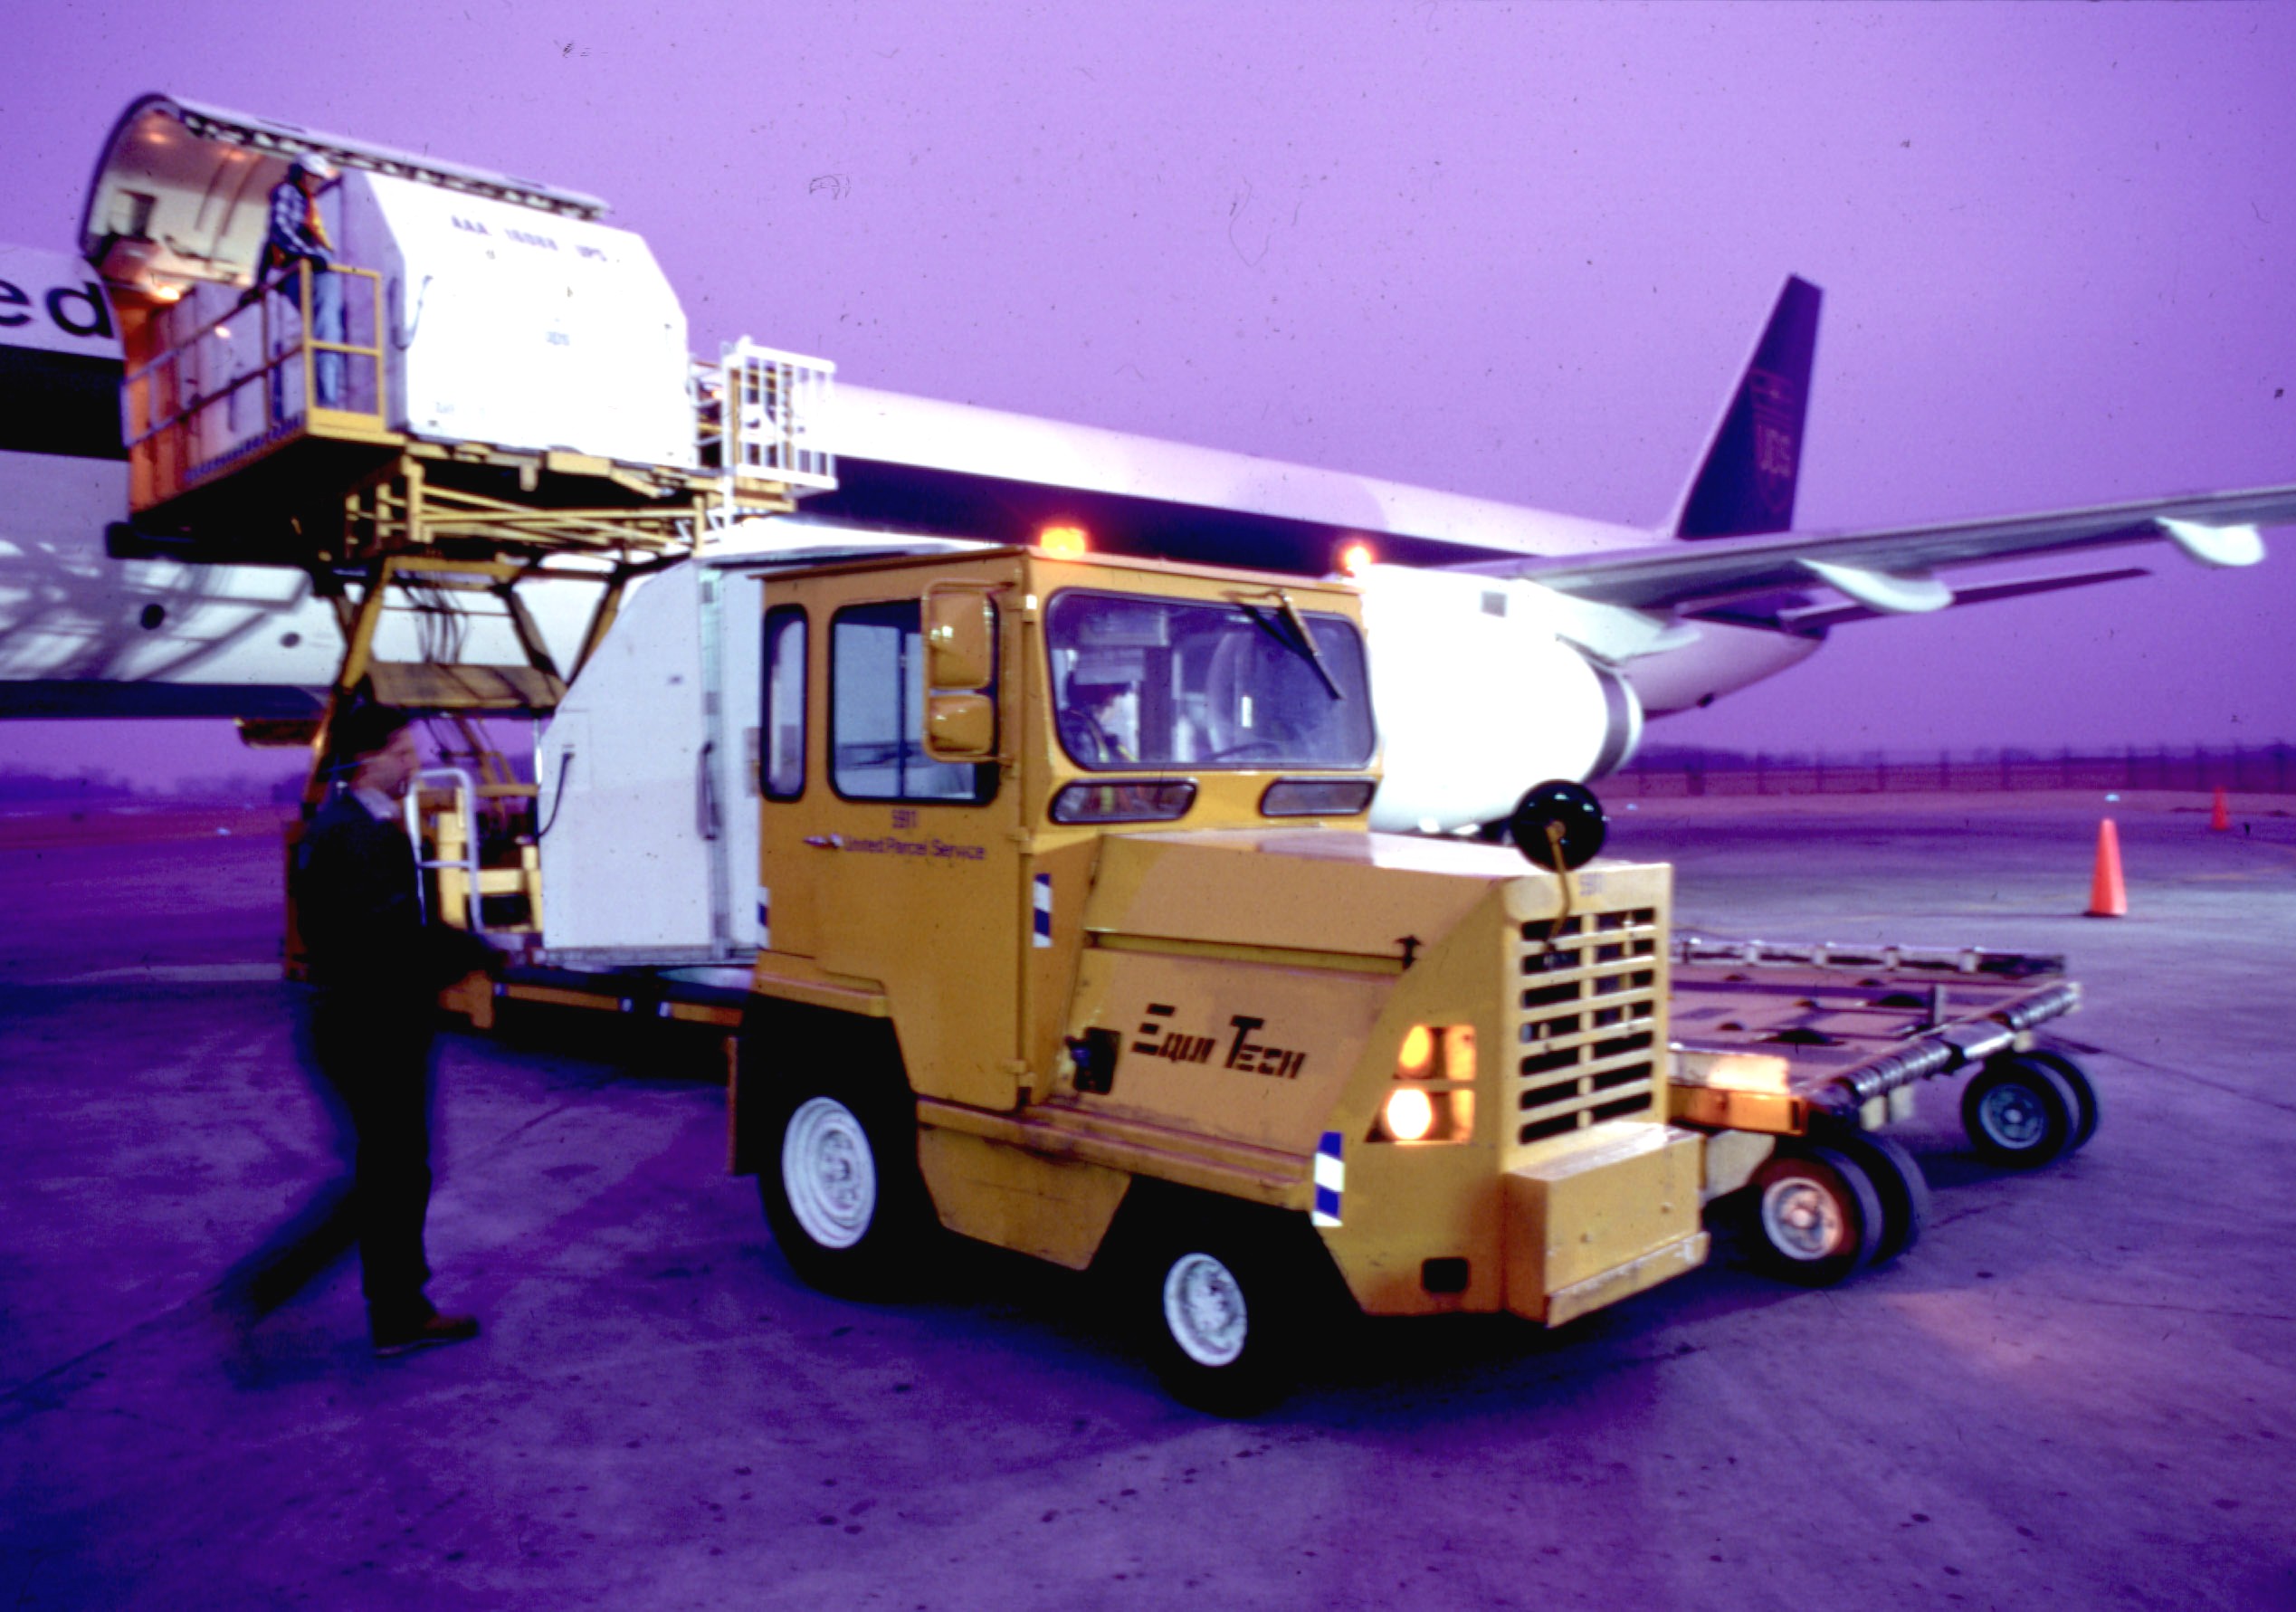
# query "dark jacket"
(362, 926)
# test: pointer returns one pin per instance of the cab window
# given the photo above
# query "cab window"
(876, 714)
(1254, 683)
(785, 703)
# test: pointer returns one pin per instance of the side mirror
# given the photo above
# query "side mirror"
(960, 638)
(960, 727)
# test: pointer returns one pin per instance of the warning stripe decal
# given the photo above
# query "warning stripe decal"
(1330, 1179)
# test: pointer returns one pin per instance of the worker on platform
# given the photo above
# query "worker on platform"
(378, 965)
(298, 239)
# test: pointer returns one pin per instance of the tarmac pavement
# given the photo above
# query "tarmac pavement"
(2079, 1391)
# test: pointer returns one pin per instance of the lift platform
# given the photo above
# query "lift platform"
(487, 398)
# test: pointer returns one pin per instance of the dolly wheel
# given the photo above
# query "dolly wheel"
(1899, 1184)
(2020, 1112)
(2084, 1093)
(1817, 1216)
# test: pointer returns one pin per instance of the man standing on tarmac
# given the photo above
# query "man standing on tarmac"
(378, 967)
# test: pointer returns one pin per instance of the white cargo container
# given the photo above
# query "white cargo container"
(649, 769)
(518, 328)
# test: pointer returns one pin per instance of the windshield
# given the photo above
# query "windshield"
(1165, 682)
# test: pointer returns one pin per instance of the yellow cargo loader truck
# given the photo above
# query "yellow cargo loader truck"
(1034, 893)
(1068, 935)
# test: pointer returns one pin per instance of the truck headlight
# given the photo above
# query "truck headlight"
(1410, 1114)
(1434, 1098)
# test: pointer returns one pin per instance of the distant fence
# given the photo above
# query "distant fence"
(2256, 769)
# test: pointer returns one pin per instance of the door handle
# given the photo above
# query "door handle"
(705, 791)
(827, 842)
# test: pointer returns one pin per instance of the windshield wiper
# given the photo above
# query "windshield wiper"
(1299, 640)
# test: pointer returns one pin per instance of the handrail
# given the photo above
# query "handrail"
(272, 355)
(465, 807)
(771, 410)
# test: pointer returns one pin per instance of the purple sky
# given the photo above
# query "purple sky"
(1514, 251)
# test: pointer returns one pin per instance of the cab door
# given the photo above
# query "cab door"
(879, 863)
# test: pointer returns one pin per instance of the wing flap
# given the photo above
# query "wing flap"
(1795, 613)
(1716, 570)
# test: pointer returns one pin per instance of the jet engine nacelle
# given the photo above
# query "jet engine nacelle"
(1482, 690)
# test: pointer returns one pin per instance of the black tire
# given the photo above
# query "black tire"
(839, 1180)
(1224, 1303)
(1900, 1185)
(2020, 1112)
(2084, 1091)
(1814, 1216)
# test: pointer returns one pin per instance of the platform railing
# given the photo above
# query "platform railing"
(763, 416)
(185, 416)
(459, 851)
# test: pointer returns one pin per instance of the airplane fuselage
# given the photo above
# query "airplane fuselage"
(1484, 686)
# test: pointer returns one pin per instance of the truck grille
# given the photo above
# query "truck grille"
(1587, 1010)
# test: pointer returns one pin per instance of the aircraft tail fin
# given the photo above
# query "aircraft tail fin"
(1744, 483)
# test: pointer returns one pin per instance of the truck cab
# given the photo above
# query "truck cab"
(946, 746)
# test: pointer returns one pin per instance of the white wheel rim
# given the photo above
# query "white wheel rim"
(1203, 1310)
(1802, 1219)
(827, 1172)
(2013, 1117)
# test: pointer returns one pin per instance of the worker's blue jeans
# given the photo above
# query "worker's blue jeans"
(327, 325)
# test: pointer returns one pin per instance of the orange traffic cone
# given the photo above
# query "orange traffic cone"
(2108, 897)
(2221, 819)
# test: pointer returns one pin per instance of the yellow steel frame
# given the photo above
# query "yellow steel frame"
(506, 689)
(404, 508)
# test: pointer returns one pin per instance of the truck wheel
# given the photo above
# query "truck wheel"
(1816, 1214)
(841, 1188)
(1223, 1317)
(2020, 1112)
(1900, 1185)
(2084, 1093)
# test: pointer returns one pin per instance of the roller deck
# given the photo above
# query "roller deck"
(1777, 1038)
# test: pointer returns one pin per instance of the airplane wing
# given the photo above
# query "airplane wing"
(1891, 569)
